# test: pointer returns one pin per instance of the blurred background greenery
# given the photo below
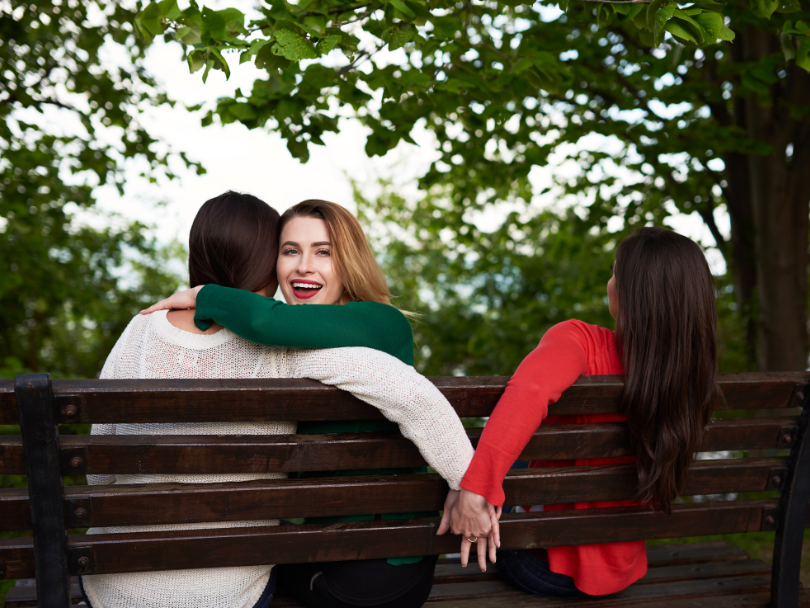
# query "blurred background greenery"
(71, 276)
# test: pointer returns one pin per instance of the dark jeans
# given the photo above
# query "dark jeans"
(370, 582)
(264, 600)
(532, 575)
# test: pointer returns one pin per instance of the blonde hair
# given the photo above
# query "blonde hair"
(354, 262)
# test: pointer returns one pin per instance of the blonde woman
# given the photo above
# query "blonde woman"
(324, 259)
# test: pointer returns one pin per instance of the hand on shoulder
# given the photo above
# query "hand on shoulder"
(179, 301)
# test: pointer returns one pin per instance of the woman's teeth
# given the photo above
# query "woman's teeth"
(306, 286)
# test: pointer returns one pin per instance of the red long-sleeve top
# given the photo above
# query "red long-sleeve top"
(567, 351)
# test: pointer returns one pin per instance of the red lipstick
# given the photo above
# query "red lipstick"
(304, 293)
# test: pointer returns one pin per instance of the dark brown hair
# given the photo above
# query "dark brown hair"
(666, 331)
(234, 243)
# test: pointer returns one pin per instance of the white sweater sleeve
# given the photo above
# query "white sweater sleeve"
(402, 395)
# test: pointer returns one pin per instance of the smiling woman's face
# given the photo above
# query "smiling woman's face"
(305, 270)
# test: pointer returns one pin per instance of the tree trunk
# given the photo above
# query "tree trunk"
(779, 193)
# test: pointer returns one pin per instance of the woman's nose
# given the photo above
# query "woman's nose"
(304, 265)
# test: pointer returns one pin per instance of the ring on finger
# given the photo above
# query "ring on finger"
(474, 539)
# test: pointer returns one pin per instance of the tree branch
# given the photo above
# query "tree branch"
(707, 214)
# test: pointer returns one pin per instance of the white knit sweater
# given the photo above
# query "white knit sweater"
(151, 347)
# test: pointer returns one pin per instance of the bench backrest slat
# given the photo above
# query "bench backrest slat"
(110, 553)
(109, 401)
(288, 498)
(299, 453)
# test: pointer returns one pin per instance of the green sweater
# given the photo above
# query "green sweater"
(273, 323)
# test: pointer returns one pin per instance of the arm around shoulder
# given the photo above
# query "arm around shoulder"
(402, 395)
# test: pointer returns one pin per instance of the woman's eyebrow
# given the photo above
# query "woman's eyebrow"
(321, 243)
(293, 243)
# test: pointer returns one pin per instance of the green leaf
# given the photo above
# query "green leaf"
(661, 17)
(764, 8)
(190, 34)
(692, 26)
(298, 149)
(293, 46)
(755, 84)
(402, 8)
(169, 9)
(763, 71)
(223, 65)
(234, 20)
(400, 38)
(714, 25)
(419, 9)
(789, 6)
(624, 9)
(254, 49)
(651, 10)
(213, 25)
(803, 55)
(150, 21)
(679, 32)
(208, 65)
(328, 44)
(787, 46)
(242, 111)
(196, 60)
(604, 15)
(266, 59)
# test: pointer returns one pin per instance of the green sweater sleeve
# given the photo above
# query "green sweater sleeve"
(273, 323)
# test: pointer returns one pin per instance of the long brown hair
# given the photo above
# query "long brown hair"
(666, 331)
(363, 279)
(234, 243)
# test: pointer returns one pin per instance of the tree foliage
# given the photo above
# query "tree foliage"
(68, 124)
(661, 107)
(486, 297)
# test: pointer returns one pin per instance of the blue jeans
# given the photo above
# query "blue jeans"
(532, 575)
(264, 600)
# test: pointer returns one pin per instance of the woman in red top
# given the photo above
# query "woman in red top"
(662, 297)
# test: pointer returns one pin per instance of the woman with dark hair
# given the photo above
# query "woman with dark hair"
(234, 244)
(662, 297)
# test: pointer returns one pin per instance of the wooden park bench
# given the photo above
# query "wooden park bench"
(702, 575)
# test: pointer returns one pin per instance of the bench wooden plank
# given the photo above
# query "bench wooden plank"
(170, 400)
(456, 573)
(747, 600)
(141, 552)
(693, 553)
(451, 571)
(147, 504)
(634, 593)
(297, 453)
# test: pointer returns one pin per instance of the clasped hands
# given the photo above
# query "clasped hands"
(470, 515)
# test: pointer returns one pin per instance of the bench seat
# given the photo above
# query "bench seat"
(694, 575)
